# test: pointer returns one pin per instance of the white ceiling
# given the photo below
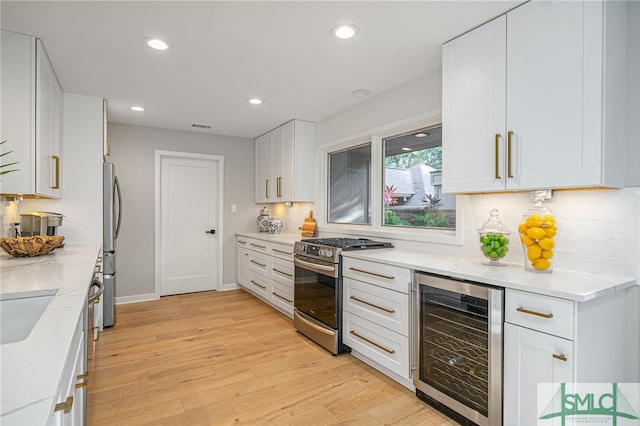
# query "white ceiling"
(226, 52)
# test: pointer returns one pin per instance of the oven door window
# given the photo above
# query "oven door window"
(454, 346)
(315, 295)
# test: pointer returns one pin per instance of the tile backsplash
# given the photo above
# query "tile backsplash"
(8, 216)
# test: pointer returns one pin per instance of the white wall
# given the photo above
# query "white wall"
(81, 173)
(133, 153)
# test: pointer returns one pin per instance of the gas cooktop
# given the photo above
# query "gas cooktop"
(349, 243)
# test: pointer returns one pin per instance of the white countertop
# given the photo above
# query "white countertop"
(31, 369)
(573, 285)
(284, 238)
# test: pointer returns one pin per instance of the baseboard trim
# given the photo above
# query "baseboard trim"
(229, 286)
(135, 298)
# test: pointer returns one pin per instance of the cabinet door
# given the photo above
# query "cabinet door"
(279, 164)
(473, 109)
(263, 184)
(242, 276)
(554, 87)
(48, 126)
(530, 358)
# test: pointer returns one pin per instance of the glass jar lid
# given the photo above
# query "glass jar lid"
(494, 224)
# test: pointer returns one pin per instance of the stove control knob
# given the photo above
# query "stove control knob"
(329, 253)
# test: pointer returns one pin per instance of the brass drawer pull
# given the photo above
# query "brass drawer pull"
(538, 314)
(258, 263)
(391, 311)
(390, 351)
(281, 272)
(386, 277)
(258, 245)
(259, 285)
(281, 297)
(242, 242)
(560, 357)
(65, 406)
(280, 251)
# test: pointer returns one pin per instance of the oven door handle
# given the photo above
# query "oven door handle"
(314, 266)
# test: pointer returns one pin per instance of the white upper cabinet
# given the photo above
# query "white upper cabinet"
(31, 118)
(532, 99)
(284, 159)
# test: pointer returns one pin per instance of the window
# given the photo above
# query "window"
(387, 182)
(413, 181)
(349, 185)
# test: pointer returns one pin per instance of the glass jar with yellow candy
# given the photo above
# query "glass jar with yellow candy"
(537, 234)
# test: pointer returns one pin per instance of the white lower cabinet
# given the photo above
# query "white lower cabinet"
(265, 269)
(70, 399)
(376, 316)
(549, 340)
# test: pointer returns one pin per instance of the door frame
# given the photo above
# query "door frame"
(159, 156)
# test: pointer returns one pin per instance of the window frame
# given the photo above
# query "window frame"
(376, 228)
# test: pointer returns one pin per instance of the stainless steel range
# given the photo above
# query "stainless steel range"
(318, 287)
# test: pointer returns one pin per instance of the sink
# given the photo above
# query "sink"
(20, 312)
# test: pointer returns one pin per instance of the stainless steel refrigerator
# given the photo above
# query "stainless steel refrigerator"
(112, 217)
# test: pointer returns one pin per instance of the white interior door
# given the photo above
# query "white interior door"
(189, 234)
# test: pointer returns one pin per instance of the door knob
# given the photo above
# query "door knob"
(211, 231)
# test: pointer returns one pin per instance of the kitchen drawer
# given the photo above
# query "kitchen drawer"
(388, 276)
(259, 262)
(282, 271)
(259, 284)
(254, 244)
(380, 305)
(282, 297)
(542, 313)
(389, 349)
(282, 251)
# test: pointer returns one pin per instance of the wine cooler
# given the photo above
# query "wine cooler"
(458, 348)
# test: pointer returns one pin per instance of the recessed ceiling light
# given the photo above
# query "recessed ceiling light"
(361, 93)
(345, 31)
(138, 108)
(156, 43)
(254, 101)
(421, 135)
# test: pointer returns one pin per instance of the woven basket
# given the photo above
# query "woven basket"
(30, 246)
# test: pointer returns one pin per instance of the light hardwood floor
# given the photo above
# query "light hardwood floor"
(225, 358)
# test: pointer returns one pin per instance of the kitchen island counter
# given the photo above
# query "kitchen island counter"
(32, 369)
(566, 284)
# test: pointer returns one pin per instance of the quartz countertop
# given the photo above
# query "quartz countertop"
(284, 238)
(566, 284)
(32, 369)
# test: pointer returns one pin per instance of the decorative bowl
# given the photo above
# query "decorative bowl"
(31, 246)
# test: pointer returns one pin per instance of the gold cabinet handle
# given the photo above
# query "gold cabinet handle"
(258, 263)
(258, 245)
(509, 173)
(65, 406)
(242, 242)
(282, 272)
(386, 277)
(377, 345)
(266, 188)
(538, 314)
(560, 357)
(281, 297)
(56, 160)
(391, 311)
(496, 151)
(281, 251)
(83, 381)
(279, 186)
(259, 285)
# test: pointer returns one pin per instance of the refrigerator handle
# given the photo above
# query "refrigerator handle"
(117, 191)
